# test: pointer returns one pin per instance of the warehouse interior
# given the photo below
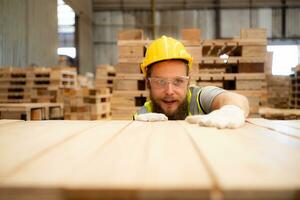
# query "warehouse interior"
(90, 36)
(149, 99)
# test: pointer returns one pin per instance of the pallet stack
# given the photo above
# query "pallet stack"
(34, 84)
(46, 82)
(99, 102)
(130, 91)
(105, 75)
(41, 85)
(87, 104)
(75, 107)
(237, 65)
(191, 39)
(15, 86)
(279, 113)
(278, 91)
(294, 100)
(31, 111)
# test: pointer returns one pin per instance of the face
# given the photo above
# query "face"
(168, 88)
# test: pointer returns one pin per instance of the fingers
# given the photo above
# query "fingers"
(218, 119)
(195, 119)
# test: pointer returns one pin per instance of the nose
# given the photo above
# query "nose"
(169, 89)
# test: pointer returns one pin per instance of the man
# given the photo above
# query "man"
(166, 68)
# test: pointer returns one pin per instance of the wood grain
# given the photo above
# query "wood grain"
(147, 160)
(251, 162)
(289, 130)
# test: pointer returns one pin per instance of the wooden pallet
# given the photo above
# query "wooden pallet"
(130, 82)
(128, 68)
(124, 112)
(294, 98)
(282, 114)
(129, 98)
(31, 111)
(164, 160)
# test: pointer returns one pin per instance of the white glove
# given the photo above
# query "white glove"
(151, 117)
(229, 116)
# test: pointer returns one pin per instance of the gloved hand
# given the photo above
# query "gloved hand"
(228, 116)
(151, 117)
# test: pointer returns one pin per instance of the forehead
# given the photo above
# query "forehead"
(169, 68)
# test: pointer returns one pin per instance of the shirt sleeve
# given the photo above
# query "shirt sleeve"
(207, 96)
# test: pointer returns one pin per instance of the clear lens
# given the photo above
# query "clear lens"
(179, 81)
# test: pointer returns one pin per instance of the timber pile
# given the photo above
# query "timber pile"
(149, 160)
(242, 71)
(54, 85)
(86, 81)
(277, 113)
(105, 75)
(31, 111)
(278, 91)
(48, 80)
(15, 86)
(129, 91)
(191, 39)
(87, 104)
(294, 100)
(34, 84)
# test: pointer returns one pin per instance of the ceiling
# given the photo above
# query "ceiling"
(101, 5)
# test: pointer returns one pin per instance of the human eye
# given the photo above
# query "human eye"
(178, 81)
(161, 81)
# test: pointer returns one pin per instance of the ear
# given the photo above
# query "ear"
(148, 83)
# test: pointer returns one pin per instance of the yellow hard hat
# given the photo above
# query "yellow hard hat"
(165, 48)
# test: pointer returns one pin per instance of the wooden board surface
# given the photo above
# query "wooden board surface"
(148, 160)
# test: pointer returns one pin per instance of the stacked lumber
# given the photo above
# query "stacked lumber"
(86, 104)
(236, 65)
(278, 91)
(86, 81)
(105, 75)
(74, 106)
(191, 39)
(149, 160)
(15, 86)
(279, 113)
(99, 103)
(34, 84)
(47, 80)
(129, 91)
(294, 100)
(31, 111)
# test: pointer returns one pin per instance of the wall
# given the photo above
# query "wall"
(83, 9)
(170, 22)
(28, 33)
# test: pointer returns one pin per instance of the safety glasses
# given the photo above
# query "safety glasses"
(178, 81)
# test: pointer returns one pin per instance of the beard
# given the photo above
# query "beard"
(179, 114)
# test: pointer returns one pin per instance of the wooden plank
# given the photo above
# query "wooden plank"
(273, 125)
(151, 158)
(191, 35)
(8, 121)
(131, 34)
(65, 157)
(250, 162)
(133, 68)
(290, 123)
(253, 33)
(169, 143)
(235, 42)
(25, 141)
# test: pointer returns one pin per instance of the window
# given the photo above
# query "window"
(285, 57)
(66, 29)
